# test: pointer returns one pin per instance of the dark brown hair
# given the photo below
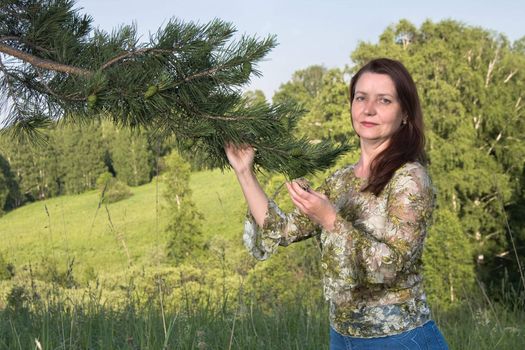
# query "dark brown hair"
(408, 142)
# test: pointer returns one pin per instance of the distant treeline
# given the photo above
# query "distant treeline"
(68, 159)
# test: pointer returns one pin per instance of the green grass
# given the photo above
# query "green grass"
(72, 226)
(59, 323)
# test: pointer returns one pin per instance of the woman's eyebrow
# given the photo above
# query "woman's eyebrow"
(380, 94)
(386, 94)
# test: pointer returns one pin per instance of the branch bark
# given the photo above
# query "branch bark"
(131, 54)
(43, 63)
(64, 68)
(510, 76)
(490, 69)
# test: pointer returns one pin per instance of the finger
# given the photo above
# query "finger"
(300, 191)
(296, 190)
(294, 195)
(300, 206)
(318, 194)
(291, 191)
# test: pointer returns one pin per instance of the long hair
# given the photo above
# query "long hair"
(408, 142)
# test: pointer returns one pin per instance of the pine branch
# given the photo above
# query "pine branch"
(185, 82)
(130, 54)
(63, 68)
(43, 63)
(25, 42)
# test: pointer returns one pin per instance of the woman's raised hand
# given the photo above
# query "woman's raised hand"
(240, 157)
(313, 204)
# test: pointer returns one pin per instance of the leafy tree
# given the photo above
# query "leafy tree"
(303, 88)
(255, 97)
(82, 156)
(329, 115)
(131, 157)
(449, 269)
(4, 191)
(185, 82)
(8, 186)
(111, 189)
(184, 220)
(34, 169)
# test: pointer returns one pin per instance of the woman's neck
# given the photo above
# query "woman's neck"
(369, 150)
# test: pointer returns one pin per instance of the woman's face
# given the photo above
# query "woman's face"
(376, 111)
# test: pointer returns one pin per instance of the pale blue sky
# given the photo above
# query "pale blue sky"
(309, 32)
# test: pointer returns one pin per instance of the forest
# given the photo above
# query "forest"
(198, 280)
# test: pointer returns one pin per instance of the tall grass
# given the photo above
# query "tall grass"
(59, 322)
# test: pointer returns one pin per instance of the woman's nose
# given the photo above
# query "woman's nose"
(369, 107)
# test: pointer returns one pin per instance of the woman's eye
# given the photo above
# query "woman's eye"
(385, 101)
(359, 98)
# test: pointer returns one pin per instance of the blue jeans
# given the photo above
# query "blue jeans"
(425, 337)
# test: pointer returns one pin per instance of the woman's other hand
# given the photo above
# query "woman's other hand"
(313, 204)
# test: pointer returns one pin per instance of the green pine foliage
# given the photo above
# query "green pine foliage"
(185, 82)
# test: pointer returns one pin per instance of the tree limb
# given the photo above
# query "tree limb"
(203, 73)
(15, 38)
(131, 54)
(43, 63)
(510, 76)
(51, 65)
(491, 67)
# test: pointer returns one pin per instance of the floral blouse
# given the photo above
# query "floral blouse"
(372, 259)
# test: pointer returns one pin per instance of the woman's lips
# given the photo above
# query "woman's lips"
(368, 124)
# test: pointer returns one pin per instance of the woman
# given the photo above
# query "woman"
(372, 218)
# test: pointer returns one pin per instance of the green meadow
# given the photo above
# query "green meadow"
(127, 295)
(110, 238)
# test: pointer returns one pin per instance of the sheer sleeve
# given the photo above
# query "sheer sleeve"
(280, 228)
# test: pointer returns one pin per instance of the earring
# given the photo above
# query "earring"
(404, 121)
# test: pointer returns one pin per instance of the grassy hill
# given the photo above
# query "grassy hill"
(129, 231)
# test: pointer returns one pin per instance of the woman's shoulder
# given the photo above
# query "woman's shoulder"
(412, 172)
(415, 168)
